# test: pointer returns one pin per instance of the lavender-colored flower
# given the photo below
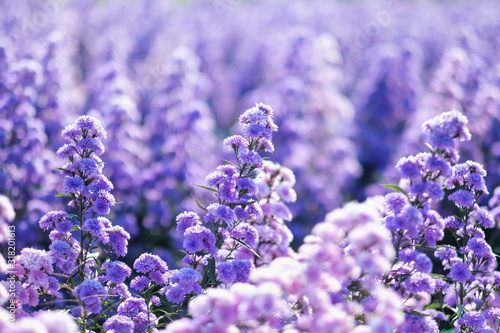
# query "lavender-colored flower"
(228, 192)
(155, 300)
(460, 272)
(73, 185)
(472, 320)
(236, 142)
(220, 213)
(116, 271)
(50, 219)
(479, 247)
(242, 269)
(225, 272)
(72, 132)
(140, 283)
(251, 158)
(247, 233)
(90, 145)
(175, 294)
(396, 202)
(150, 262)
(66, 151)
(484, 218)
(197, 234)
(462, 198)
(118, 239)
(409, 167)
(186, 277)
(186, 220)
(33, 260)
(423, 263)
(132, 306)
(119, 324)
(247, 184)
(436, 163)
(90, 292)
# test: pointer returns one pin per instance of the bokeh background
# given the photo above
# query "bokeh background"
(350, 82)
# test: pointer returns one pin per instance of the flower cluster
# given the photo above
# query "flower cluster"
(417, 227)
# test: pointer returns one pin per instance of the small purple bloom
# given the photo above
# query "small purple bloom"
(460, 272)
(462, 198)
(73, 185)
(186, 220)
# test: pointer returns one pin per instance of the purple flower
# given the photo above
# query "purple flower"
(256, 131)
(396, 202)
(187, 278)
(175, 294)
(73, 185)
(251, 158)
(415, 323)
(228, 192)
(140, 283)
(247, 184)
(225, 272)
(94, 226)
(155, 300)
(132, 306)
(60, 249)
(423, 263)
(51, 218)
(119, 324)
(116, 271)
(91, 125)
(479, 247)
(72, 132)
(472, 320)
(199, 238)
(118, 239)
(409, 167)
(235, 142)
(437, 163)
(150, 262)
(66, 151)
(90, 292)
(186, 220)
(91, 145)
(462, 198)
(246, 232)
(485, 219)
(220, 213)
(242, 269)
(460, 272)
(477, 183)
(88, 166)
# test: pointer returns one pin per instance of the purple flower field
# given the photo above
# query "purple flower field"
(225, 166)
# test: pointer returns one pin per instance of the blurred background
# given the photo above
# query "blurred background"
(350, 82)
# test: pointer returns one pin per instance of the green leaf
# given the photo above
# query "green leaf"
(239, 241)
(211, 270)
(61, 195)
(208, 188)
(394, 187)
(200, 205)
(433, 306)
(451, 330)
(65, 170)
(227, 162)
(89, 181)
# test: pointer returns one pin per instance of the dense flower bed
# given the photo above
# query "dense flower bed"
(218, 167)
